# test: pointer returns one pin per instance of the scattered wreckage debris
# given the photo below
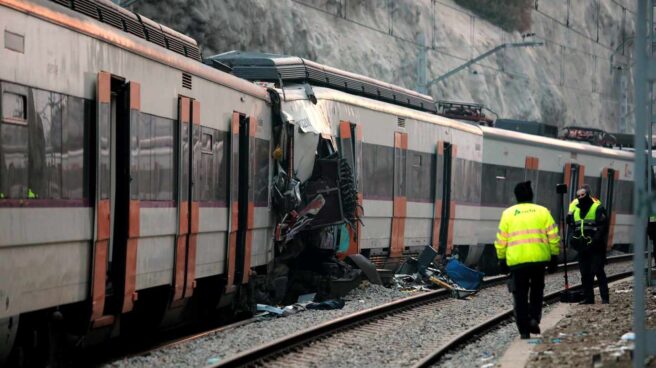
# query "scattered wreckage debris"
(304, 302)
(422, 274)
(314, 199)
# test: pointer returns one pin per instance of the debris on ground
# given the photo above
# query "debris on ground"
(419, 274)
(305, 302)
(327, 305)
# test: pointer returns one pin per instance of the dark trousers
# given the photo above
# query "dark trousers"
(527, 287)
(591, 265)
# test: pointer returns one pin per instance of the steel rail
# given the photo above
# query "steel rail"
(494, 323)
(191, 337)
(288, 343)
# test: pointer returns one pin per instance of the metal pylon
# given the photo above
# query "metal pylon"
(645, 75)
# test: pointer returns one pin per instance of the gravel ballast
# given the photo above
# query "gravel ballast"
(402, 345)
(591, 335)
(214, 347)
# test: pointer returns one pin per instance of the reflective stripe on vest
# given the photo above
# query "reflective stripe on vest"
(526, 234)
(588, 223)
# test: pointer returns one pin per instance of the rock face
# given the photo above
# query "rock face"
(567, 81)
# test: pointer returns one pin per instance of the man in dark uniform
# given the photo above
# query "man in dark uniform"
(589, 224)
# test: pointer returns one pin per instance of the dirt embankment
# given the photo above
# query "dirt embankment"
(592, 334)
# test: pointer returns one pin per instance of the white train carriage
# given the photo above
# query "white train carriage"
(114, 161)
(510, 157)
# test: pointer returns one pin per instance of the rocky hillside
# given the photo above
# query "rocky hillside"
(567, 81)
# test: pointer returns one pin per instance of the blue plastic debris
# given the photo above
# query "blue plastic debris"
(270, 309)
(463, 276)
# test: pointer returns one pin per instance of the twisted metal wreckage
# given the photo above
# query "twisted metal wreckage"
(315, 205)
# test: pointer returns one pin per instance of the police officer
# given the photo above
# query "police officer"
(526, 243)
(589, 224)
(651, 233)
(575, 201)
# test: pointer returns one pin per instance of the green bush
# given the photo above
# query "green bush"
(510, 15)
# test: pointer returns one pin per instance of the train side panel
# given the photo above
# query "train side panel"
(52, 228)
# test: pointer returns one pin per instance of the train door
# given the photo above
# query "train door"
(188, 149)
(241, 199)
(607, 196)
(116, 216)
(574, 177)
(532, 173)
(446, 222)
(397, 238)
(350, 140)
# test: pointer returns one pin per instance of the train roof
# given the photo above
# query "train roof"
(297, 92)
(512, 136)
(107, 12)
(285, 69)
(77, 21)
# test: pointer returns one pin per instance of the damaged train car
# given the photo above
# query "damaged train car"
(422, 179)
(142, 187)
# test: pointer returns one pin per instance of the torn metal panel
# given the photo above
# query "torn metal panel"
(311, 123)
(368, 268)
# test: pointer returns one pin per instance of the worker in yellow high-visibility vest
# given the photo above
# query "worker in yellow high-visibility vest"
(589, 224)
(575, 202)
(527, 242)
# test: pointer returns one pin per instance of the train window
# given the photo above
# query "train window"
(205, 188)
(45, 142)
(420, 174)
(155, 158)
(261, 180)
(45, 138)
(378, 166)
(163, 177)
(77, 118)
(13, 161)
(14, 108)
(206, 143)
(416, 160)
(220, 171)
(144, 157)
(14, 42)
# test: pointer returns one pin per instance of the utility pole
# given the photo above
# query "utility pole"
(645, 74)
(422, 64)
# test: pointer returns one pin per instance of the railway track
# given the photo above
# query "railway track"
(310, 345)
(491, 324)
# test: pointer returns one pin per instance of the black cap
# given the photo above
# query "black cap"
(523, 192)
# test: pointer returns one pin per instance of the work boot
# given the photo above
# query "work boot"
(605, 301)
(534, 327)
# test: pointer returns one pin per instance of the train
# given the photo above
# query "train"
(141, 184)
